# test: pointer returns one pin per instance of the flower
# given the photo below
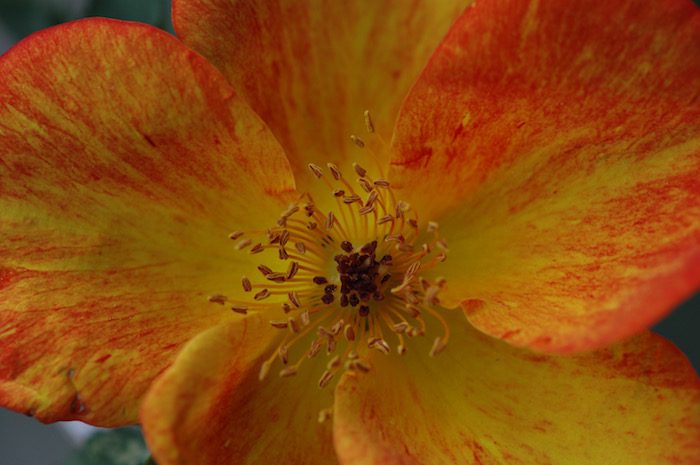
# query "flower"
(547, 153)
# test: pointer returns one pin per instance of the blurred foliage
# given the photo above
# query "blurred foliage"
(156, 12)
(19, 18)
(124, 446)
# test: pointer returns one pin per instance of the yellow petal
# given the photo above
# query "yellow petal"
(210, 407)
(311, 68)
(125, 161)
(558, 145)
(482, 401)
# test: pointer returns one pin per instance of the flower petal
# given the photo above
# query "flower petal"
(125, 161)
(210, 407)
(564, 139)
(311, 68)
(483, 401)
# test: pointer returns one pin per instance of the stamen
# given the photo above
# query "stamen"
(369, 124)
(357, 141)
(360, 266)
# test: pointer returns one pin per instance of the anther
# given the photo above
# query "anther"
(314, 349)
(320, 280)
(330, 288)
(235, 235)
(294, 299)
(431, 295)
(438, 346)
(276, 277)
(401, 327)
(292, 270)
(282, 253)
(333, 363)
(218, 299)
(433, 226)
(284, 238)
(385, 219)
(243, 310)
(247, 286)
(367, 209)
(366, 185)
(330, 220)
(243, 243)
(379, 344)
(288, 371)
(265, 270)
(357, 141)
(346, 246)
(338, 192)
(300, 246)
(382, 183)
(316, 170)
(349, 333)
(371, 198)
(334, 171)
(325, 379)
(264, 294)
(279, 324)
(361, 172)
(293, 325)
(369, 124)
(364, 309)
(283, 353)
(327, 299)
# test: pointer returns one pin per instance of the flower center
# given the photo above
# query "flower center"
(348, 279)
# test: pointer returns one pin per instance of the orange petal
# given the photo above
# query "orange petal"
(311, 68)
(482, 401)
(125, 161)
(210, 407)
(563, 139)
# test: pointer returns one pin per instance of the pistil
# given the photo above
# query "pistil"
(347, 280)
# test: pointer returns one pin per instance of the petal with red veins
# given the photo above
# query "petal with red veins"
(310, 68)
(563, 139)
(125, 161)
(482, 401)
(211, 408)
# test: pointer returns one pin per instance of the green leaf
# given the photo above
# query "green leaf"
(124, 446)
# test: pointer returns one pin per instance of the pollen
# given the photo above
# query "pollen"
(344, 276)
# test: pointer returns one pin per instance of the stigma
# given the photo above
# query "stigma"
(343, 276)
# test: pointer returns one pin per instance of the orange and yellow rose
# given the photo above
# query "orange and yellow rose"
(533, 165)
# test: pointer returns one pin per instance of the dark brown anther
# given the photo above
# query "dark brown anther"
(265, 270)
(283, 253)
(320, 280)
(344, 300)
(330, 288)
(354, 300)
(364, 310)
(339, 192)
(369, 248)
(346, 246)
(327, 299)
(386, 259)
